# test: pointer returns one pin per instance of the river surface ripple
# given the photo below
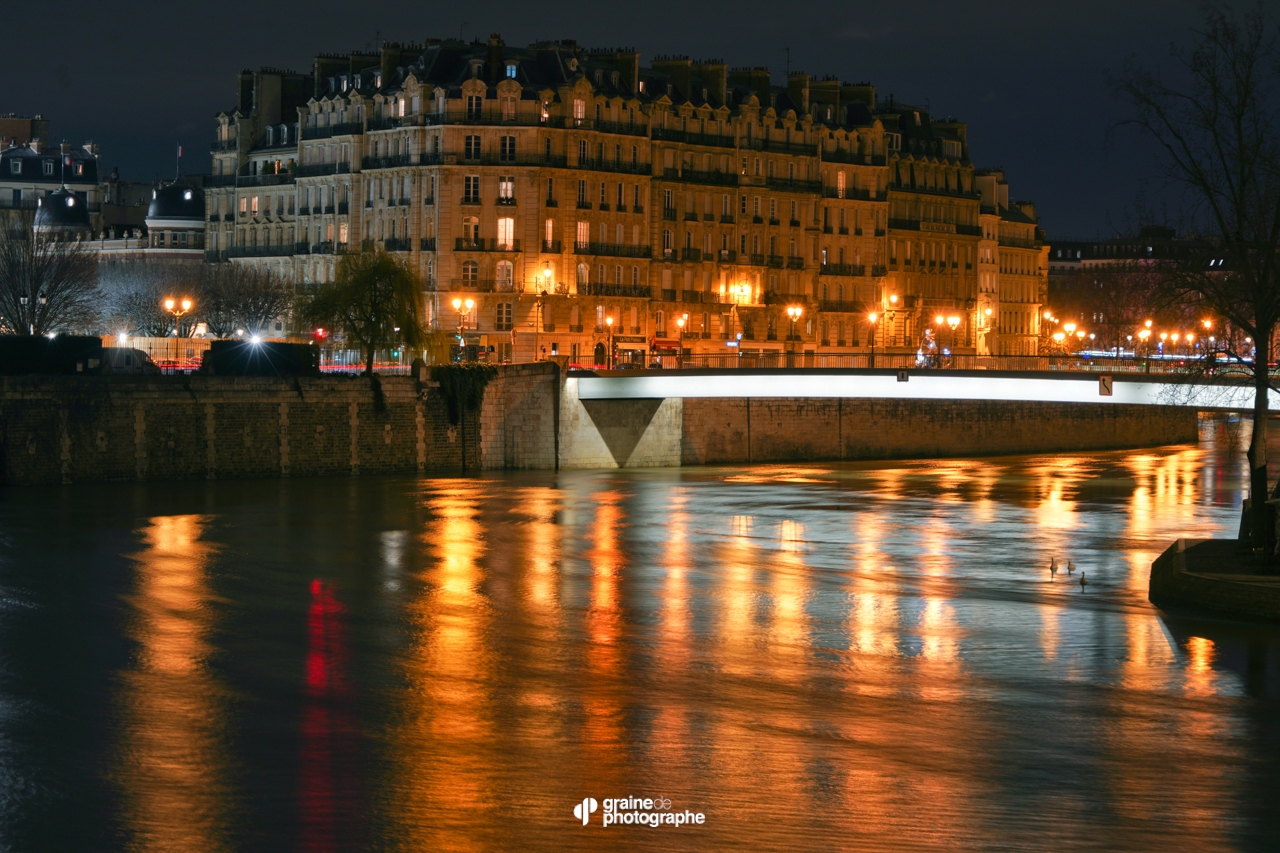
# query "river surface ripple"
(866, 656)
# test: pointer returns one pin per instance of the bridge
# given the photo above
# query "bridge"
(666, 418)
(1058, 386)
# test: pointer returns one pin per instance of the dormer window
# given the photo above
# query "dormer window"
(377, 81)
(344, 83)
(15, 166)
(48, 167)
(511, 71)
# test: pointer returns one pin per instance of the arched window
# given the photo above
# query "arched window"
(504, 274)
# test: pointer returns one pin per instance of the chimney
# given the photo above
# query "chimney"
(628, 64)
(493, 60)
(715, 77)
(798, 92)
(679, 71)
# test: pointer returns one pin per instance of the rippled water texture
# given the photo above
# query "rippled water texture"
(863, 656)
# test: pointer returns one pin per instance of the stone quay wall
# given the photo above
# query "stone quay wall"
(112, 428)
(730, 430)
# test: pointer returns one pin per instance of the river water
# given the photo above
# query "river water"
(861, 656)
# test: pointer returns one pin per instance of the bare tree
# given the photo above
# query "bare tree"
(234, 296)
(135, 293)
(47, 284)
(1220, 143)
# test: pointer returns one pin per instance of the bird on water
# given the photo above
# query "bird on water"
(1053, 567)
(1071, 567)
(1083, 582)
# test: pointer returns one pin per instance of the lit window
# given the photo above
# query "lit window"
(506, 233)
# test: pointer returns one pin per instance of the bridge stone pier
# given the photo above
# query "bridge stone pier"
(672, 418)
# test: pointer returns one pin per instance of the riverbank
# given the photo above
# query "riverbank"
(1211, 576)
(77, 429)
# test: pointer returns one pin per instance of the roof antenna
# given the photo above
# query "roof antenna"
(787, 51)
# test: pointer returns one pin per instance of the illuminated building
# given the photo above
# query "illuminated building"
(558, 187)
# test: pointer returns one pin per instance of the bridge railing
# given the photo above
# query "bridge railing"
(908, 361)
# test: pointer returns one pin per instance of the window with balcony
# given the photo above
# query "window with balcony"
(471, 229)
(502, 311)
(507, 187)
(583, 237)
(579, 112)
(470, 272)
(509, 103)
(507, 149)
(471, 189)
(475, 107)
(582, 193)
(506, 233)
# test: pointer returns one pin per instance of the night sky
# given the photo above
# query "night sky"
(1030, 78)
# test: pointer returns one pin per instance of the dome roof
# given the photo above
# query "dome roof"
(176, 201)
(62, 211)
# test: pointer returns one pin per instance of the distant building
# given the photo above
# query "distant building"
(173, 229)
(559, 188)
(20, 130)
(33, 170)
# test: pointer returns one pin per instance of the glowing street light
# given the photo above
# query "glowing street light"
(608, 323)
(463, 307)
(177, 308)
(871, 320)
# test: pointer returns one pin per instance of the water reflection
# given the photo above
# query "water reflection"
(860, 656)
(171, 765)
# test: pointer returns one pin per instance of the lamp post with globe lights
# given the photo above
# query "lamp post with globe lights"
(463, 307)
(178, 308)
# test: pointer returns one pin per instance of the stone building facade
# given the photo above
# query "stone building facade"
(582, 201)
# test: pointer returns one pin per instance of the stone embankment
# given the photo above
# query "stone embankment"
(1211, 576)
(73, 429)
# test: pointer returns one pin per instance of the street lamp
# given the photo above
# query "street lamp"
(954, 322)
(463, 307)
(893, 306)
(680, 321)
(177, 308)
(871, 320)
(608, 324)
(793, 313)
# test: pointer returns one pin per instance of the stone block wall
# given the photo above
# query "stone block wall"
(730, 430)
(83, 429)
(518, 419)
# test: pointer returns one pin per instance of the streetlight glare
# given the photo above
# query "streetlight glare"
(871, 317)
(457, 305)
(470, 303)
(168, 305)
